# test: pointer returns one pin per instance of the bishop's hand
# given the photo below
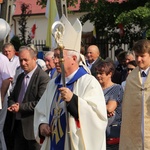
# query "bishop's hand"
(66, 94)
(44, 129)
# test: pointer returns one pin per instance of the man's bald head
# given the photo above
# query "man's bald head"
(93, 53)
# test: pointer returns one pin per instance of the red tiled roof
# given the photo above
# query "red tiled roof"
(36, 9)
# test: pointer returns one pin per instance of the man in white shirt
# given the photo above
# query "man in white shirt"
(13, 61)
(9, 51)
(5, 79)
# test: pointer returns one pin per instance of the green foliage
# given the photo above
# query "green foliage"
(137, 16)
(71, 2)
(137, 21)
(42, 3)
(133, 15)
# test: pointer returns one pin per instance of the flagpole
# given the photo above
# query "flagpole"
(52, 16)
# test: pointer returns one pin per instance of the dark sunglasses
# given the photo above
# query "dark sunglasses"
(130, 69)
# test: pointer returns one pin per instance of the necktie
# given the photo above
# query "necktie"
(23, 89)
(143, 74)
(22, 93)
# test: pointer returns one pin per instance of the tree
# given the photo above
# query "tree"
(42, 3)
(139, 18)
(16, 42)
(25, 14)
(110, 18)
(120, 23)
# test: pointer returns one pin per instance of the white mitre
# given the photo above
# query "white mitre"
(71, 38)
(4, 29)
(72, 35)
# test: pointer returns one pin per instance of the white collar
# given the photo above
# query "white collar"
(31, 72)
(146, 70)
(67, 79)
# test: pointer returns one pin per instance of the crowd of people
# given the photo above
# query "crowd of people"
(74, 101)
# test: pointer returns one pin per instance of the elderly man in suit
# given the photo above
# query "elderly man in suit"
(93, 58)
(30, 86)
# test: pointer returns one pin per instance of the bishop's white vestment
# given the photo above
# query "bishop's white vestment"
(92, 115)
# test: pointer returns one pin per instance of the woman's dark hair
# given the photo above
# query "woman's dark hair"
(105, 67)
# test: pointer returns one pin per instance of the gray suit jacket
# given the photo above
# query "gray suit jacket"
(35, 90)
(54, 75)
(93, 70)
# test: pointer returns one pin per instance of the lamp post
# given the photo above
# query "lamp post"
(61, 7)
